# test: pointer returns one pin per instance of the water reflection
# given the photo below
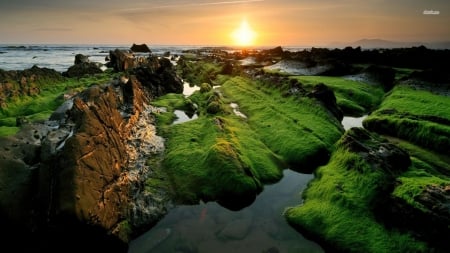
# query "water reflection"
(188, 89)
(211, 228)
(183, 116)
(349, 122)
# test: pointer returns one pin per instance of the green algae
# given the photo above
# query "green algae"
(339, 204)
(416, 115)
(353, 97)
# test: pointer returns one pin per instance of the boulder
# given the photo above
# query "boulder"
(121, 60)
(159, 76)
(80, 58)
(83, 68)
(142, 48)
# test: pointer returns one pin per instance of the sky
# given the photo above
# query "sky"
(208, 22)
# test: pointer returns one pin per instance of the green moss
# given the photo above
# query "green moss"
(198, 72)
(220, 156)
(171, 101)
(298, 129)
(354, 98)
(8, 130)
(419, 116)
(428, 169)
(338, 208)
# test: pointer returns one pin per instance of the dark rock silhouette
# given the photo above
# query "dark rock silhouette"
(82, 69)
(80, 58)
(142, 48)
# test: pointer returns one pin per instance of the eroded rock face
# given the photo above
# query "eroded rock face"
(85, 168)
(121, 60)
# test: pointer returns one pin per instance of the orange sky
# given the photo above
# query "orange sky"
(207, 22)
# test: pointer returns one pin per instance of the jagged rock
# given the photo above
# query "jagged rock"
(142, 48)
(121, 60)
(85, 167)
(159, 77)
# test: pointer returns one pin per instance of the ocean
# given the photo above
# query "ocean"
(61, 57)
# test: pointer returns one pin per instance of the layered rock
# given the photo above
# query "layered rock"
(121, 60)
(85, 168)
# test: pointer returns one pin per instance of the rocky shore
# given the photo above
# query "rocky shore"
(85, 167)
(107, 164)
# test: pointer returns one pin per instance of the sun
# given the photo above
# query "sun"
(244, 35)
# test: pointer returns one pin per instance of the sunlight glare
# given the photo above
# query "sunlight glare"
(244, 35)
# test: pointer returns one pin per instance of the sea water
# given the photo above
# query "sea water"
(61, 57)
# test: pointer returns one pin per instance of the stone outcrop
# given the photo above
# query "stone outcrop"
(14, 84)
(80, 58)
(85, 168)
(142, 48)
(121, 60)
(158, 76)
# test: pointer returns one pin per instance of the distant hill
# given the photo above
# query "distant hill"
(379, 43)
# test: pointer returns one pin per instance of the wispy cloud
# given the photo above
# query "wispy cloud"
(193, 5)
(54, 29)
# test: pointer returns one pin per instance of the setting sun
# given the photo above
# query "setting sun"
(244, 35)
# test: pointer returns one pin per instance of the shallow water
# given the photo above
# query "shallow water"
(349, 122)
(209, 227)
(236, 111)
(188, 89)
(182, 117)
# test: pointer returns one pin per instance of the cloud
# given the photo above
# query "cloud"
(183, 5)
(53, 29)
